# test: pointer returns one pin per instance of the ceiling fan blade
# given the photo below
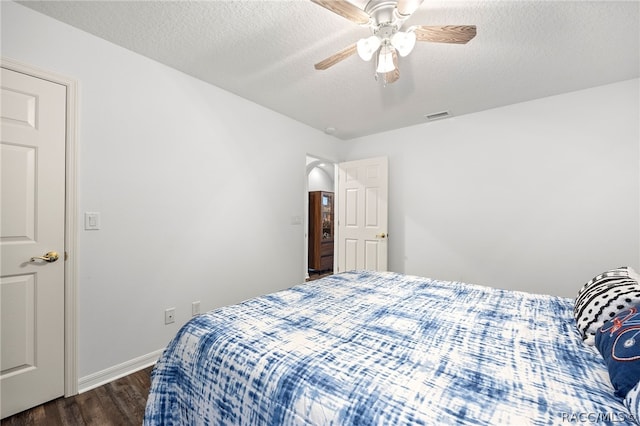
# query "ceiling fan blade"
(407, 7)
(334, 59)
(393, 76)
(459, 34)
(346, 10)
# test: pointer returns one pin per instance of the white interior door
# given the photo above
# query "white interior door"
(32, 157)
(362, 214)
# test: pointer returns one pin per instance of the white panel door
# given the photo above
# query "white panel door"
(362, 214)
(32, 173)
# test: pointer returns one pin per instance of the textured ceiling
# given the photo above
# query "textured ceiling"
(264, 51)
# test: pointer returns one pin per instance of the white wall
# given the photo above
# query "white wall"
(539, 196)
(195, 204)
(319, 180)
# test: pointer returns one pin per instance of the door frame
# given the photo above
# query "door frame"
(305, 223)
(70, 231)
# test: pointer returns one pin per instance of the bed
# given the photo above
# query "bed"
(373, 348)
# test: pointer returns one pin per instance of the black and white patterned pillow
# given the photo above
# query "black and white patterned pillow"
(603, 297)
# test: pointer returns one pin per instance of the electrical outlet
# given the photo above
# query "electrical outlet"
(195, 308)
(170, 315)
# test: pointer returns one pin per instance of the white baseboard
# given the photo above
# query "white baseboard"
(112, 373)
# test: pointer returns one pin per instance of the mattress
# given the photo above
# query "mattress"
(374, 348)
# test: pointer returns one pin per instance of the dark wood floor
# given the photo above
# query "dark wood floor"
(120, 402)
(316, 275)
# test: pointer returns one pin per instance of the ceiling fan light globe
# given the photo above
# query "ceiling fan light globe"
(385, 60)
(366, 47)
(404, 42)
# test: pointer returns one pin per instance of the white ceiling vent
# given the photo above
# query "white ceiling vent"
(438, 115)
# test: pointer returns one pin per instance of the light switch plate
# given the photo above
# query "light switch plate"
(91, 221)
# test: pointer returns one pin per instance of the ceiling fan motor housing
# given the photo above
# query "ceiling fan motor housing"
(383, 14)
(385, 31)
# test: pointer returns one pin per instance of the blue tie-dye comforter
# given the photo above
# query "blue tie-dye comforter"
(366, 348)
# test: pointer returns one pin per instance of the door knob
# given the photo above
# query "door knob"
(383, 235)
(51, 256)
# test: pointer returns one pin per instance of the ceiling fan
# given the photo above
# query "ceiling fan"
(385, 18)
